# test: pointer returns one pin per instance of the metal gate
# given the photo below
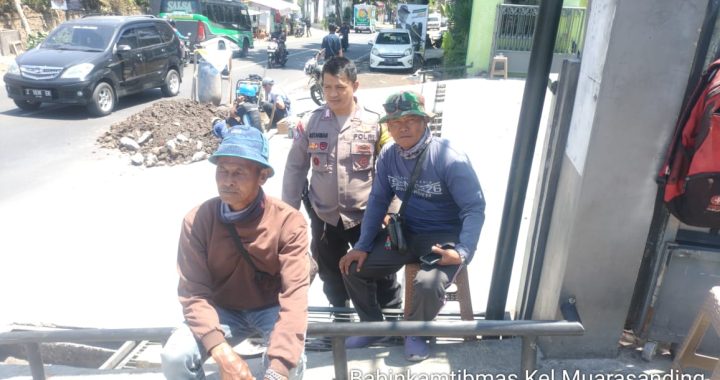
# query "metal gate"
(515, 29)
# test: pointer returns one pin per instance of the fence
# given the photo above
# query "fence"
(515, 28)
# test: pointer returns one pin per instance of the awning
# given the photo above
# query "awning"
(283, 7)
(253, 12)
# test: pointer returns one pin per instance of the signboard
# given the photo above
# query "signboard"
(66, 5)
(59, 5)
(413, 17)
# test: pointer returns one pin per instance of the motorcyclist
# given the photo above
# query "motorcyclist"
(245, 112)
(280, 36)
(184, 40)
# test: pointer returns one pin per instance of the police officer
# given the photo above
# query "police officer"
(339, 141)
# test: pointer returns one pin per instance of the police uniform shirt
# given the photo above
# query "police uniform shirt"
(342, 160)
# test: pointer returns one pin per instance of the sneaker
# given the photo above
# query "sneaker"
(416, 348)
(361, 341)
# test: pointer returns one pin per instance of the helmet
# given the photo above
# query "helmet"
(247, 90)
(268, 81)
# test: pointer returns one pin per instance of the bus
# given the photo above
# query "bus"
(203, 19)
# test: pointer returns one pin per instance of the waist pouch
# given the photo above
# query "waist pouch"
(396, 234)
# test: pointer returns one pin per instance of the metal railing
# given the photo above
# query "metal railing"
(515, 28)
(528, 330)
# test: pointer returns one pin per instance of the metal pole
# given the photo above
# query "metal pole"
(528, 359)
(527, 131)
(32, 350)
(545, 202)
(340, 358)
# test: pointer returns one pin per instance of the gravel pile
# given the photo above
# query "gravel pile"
(169, 132)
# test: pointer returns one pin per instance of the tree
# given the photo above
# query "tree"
(455, 41)
(338, 12)
(23, 19)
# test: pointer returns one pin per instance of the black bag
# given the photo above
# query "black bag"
(395, 230)
(396, 234)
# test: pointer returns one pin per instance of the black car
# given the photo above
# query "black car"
(95, 60)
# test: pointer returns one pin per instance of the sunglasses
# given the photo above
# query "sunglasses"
(399, 105)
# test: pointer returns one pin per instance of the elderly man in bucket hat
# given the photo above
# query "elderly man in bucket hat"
(244, 270)
(442, 215)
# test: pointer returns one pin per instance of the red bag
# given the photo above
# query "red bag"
(691, 173)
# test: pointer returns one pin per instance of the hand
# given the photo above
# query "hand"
(386, 221)
(449, 256)
(350, 257)
(280, 103)
(230, 364)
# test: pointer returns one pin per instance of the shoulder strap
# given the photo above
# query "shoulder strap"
(240, 246)
(413, 179)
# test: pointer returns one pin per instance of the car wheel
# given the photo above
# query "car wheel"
(172, 83)
(245, 48)
(103, 99)
(27, 105)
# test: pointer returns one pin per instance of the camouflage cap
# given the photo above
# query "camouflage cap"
(404, 103)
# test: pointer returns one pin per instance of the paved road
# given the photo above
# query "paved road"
(37, 146)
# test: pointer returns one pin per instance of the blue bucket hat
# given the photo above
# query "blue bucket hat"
(245, 142)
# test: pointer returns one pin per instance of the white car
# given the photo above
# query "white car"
(392, 49)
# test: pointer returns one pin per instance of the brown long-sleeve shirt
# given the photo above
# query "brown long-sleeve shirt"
(213, 273)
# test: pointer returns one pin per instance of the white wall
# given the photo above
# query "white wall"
(633, 75)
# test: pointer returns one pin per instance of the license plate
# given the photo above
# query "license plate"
(38, 93)
(390, 60)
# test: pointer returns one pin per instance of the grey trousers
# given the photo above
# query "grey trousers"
(429, 285)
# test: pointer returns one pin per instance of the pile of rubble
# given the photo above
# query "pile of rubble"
(169, 132)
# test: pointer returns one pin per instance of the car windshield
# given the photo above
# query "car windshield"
(79, 37)
(396, 38)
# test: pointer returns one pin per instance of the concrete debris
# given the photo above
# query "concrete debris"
(160, 139)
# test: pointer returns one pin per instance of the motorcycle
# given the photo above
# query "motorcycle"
(314, 71)
(299, 29)
(276, 53)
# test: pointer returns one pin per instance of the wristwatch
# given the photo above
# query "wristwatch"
(271, 374)
(462, 258)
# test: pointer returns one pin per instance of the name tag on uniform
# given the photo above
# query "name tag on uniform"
(364, 148)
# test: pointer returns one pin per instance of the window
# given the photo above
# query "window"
(129, 38)
(148, 36)
(393, 39)
(166, 31)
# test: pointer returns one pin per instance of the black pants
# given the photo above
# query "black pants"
(267, 107)
(329, 244)
(429, 284)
